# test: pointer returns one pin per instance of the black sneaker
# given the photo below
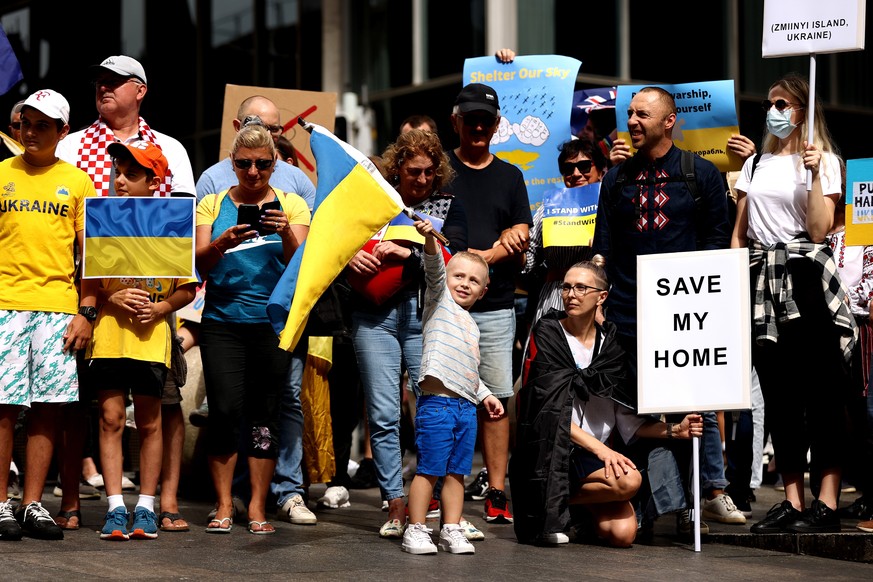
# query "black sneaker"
(819, 518)
(861, 508)
(365, 476)
(36, 522)
(476, 490)
(778, 518)
(9, 528)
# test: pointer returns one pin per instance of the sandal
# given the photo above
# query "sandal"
(218, 528)
(63, 519)
(263, 528)
(391, 529)
(172, 526)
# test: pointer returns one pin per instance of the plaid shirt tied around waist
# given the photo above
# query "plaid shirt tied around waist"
(774, 299)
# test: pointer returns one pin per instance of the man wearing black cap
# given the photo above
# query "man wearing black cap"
(495, 199)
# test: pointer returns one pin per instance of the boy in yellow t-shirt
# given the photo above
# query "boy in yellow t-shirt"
(130, 353)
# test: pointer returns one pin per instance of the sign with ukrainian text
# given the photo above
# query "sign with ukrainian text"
(706, 117)
(859, 202)
(568, 216)
(693, 332)
(536, 100)
(138, 237)
(803, 27)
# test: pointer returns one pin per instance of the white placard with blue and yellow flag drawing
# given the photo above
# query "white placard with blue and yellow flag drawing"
(352, 202)
(706, 117)
(536, 99)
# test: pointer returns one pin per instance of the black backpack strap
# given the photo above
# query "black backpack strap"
(686, 166)
(755, 165)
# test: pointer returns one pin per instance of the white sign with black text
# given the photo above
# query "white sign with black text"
(693, 331)
(803, 27)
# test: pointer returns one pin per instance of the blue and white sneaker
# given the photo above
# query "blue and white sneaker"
(115, 528)
(145, 524)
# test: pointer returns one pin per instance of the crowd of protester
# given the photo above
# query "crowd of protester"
(429, 327)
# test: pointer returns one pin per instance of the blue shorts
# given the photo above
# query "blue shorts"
(582, 463)
(496, 337)
(445, 434)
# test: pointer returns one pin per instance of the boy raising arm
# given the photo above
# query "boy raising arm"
(445, 420)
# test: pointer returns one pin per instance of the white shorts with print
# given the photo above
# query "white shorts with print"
(35, 368)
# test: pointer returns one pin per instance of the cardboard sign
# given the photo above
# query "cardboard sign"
(803, 27)
(693, 332)
(706, 118)
(313, 106)
(859, 202)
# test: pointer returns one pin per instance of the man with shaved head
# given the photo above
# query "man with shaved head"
(288, 178)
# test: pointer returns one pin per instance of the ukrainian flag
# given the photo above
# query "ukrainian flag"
(138, 237)
(352, 202)
(402, 228)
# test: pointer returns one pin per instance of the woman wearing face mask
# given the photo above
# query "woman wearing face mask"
(802, 327)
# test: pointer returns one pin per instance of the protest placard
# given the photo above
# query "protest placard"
(859, 202)
(802, 27)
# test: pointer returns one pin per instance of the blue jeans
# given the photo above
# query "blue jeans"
(383, 339)
(288, 477)
(712, 459)
(496, 337)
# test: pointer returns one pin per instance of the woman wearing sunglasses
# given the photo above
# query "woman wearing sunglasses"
(571, 408)
(803, 330)
(581, 162)
(243, 366)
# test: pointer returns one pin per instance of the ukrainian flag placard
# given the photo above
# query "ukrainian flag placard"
(706, 117)
(568, 216)
(138, 237)
(859, 202)
(401, 228)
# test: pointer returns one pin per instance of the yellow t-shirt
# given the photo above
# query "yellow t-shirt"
(41, 210)
(117, 334)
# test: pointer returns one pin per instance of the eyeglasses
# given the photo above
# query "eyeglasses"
(584, 166)
(473, 119)
(274, 129)
(779, 104)
(579, 290)
(259, 164)
(16, 125)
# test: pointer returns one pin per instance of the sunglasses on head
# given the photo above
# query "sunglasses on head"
(472, 120)
(584, 166)
(779, 104)
(259, 164)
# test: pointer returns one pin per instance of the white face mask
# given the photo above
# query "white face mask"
(779, 122)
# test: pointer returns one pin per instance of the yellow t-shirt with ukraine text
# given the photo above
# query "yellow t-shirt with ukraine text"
(41, 210)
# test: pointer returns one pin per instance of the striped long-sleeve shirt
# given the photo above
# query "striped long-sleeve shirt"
(451, 338)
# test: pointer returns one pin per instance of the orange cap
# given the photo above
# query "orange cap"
(146, 154)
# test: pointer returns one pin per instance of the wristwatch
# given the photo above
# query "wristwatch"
(88, 312)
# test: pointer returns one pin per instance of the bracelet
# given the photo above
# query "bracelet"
(218, 250)
(669, 430)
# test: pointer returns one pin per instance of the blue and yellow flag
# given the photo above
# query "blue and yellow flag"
(568, 216)
(10, 69)
(402, 228)
(138, 237)
(352, 201)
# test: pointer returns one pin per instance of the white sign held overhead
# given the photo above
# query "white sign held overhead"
(693, 331)
(803, 27)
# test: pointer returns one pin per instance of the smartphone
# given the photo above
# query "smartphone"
(249, 214)
(274, 205)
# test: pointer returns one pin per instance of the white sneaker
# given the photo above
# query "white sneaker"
(295, 511)
(556, 538)
(723, 510)
(127, 484)
(452, 540)
(335, 497)
(471, 532)
(417, 540)
(96, 480)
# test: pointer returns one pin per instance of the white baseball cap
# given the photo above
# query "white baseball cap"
(51, 103)
(122, 65)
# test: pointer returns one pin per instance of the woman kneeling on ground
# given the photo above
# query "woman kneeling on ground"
(574, 395)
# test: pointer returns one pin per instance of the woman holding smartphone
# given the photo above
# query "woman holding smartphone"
(243, 366)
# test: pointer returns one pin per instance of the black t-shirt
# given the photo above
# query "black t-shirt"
(494, 198)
